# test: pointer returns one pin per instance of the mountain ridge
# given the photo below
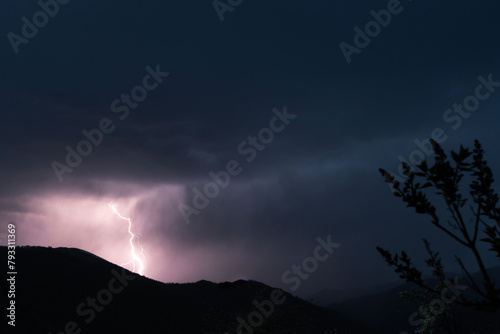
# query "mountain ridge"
(68, 290)
(387, 312)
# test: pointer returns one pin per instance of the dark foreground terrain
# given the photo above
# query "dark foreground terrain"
(388, 313)
(67, 290)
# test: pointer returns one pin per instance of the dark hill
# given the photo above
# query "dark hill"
(388, 313)
(67, 290)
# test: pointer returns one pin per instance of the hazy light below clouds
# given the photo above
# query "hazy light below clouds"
(85, 221)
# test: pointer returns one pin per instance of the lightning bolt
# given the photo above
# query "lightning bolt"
(135, 258)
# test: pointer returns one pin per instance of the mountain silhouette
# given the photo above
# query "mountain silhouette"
(388, 313)
(68, 290)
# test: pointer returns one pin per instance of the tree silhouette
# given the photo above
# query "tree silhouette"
(484, 208)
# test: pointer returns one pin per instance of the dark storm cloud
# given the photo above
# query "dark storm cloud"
(317, 177)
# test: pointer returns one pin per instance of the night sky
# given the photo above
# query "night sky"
(298, 126)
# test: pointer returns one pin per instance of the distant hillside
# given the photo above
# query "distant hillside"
(326, 297)
(387, 313)
(63, 290)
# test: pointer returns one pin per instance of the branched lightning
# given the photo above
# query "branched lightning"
(135, 258)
